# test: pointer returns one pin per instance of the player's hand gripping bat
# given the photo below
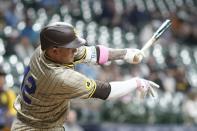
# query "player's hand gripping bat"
(154, 38)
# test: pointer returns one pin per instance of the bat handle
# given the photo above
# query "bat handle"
(148, 44)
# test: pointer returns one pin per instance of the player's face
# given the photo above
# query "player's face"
(66, 55)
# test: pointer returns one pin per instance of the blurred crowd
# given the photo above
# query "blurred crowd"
(172, 63)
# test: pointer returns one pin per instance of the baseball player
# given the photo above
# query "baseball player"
(50, 81)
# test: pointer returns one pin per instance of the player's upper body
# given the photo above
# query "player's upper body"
(50, 81)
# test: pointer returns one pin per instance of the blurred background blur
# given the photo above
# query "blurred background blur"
(172, 62)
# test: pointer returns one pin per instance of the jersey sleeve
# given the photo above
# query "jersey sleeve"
(76, 85)
(80, 55)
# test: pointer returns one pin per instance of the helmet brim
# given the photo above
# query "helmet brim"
(76, 43)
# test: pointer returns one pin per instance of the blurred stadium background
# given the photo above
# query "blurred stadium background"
(172, 62)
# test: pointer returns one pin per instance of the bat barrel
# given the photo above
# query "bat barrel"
(162, 28)
(157, 34)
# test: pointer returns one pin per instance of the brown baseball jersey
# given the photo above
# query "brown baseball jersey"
(46, 92)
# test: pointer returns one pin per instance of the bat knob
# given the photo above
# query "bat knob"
(134, 56)
(138, 58)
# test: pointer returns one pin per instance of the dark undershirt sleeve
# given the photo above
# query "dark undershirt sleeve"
(102, 91)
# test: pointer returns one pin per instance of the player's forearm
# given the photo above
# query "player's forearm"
(105, 54)
(116, 89)
(122, 88)
(116, 54)
(101, 54)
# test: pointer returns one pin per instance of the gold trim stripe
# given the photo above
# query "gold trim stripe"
(93, 89)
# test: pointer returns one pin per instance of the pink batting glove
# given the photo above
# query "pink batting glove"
(146, 87)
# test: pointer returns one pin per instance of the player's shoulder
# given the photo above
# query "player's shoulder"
(72, 75)
(38, 50)
(36, 54)
(64, 72)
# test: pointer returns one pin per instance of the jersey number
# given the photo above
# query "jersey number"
(28, 86)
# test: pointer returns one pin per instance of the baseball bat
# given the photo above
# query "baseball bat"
(157, 34)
